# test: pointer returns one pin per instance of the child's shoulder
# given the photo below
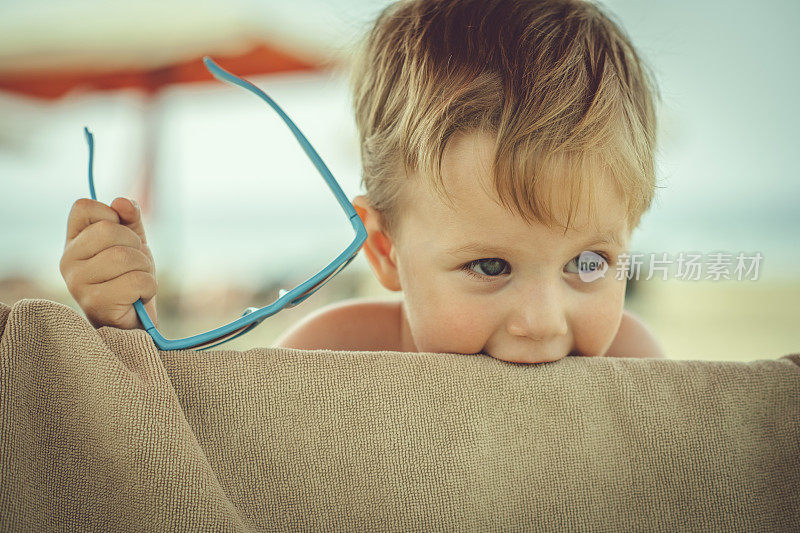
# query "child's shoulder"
(361, 324)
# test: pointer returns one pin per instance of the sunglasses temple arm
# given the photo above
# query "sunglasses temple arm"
(223, 75)
(138, 304)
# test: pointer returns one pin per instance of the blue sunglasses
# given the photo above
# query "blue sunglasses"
(286, 299)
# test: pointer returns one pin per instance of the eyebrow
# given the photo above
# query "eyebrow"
(608, 237)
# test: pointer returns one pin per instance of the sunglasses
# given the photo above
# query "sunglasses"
(253, 316)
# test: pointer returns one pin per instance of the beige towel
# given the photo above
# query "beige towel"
(100, 430)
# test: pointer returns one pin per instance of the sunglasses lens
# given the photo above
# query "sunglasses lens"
(308, 292)
(311, 290)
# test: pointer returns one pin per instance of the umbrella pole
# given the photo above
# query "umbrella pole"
(144, 188)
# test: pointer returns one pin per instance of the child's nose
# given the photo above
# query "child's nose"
(539, 313)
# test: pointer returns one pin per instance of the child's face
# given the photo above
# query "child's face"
(529, 305)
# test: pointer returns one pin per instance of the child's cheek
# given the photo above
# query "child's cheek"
(450, 329)
(440, 317)
(595, 328)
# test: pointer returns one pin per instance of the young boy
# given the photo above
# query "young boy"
(500, 140)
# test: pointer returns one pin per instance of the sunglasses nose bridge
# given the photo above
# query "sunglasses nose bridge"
(254, 324)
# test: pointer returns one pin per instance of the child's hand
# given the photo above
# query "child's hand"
(107, 264)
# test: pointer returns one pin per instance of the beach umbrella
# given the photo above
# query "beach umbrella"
(148, 47)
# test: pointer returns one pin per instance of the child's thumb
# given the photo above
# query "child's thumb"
(130, 215)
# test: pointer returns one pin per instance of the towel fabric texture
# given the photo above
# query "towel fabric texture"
(102, 431)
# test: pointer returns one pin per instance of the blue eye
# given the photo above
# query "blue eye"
(490, 267)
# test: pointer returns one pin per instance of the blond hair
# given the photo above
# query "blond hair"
(557, 82)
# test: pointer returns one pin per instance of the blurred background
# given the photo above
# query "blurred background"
(234, 210)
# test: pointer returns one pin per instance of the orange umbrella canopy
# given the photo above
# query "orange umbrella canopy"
(51, 84)
(53, 48)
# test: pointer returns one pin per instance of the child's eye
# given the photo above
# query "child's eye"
(590, 264)
(494, 267)
(491, 267)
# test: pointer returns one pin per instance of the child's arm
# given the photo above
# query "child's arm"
(634, 339)
(107, 263)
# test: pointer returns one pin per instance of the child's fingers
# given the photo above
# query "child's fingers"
(126, 290)
(86, 212)
(112, 263)
(130, 216)
(98, 237)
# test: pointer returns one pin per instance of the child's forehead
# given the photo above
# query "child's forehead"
(494, 231)
(481, 222)
(468, 191)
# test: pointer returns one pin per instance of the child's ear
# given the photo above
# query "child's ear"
(378, 247)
